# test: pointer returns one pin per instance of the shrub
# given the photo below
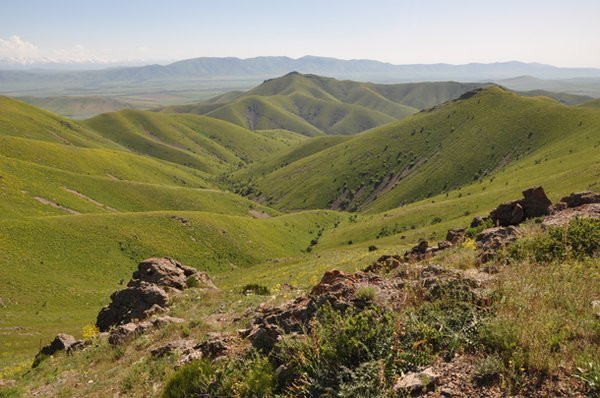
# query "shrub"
(365, 293)
(579, 239)
(472, 232)
(590, 374)
(251, 376)
(90, 331)
(192, 281)
(469, 243)
(340, 343)
(257, 289)
(372, 248)
(489, 370)
(191, 380)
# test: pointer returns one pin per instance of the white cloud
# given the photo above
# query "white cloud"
(77, 53)
(15, 47)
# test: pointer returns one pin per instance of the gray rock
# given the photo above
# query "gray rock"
(416, 383)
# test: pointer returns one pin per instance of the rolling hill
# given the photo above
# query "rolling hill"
(200, 142)
(432, 152)
(314, 105)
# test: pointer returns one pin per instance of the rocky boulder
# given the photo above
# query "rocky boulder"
(419, 252)
(131, 304)
(491, 240)
(535, 202)
(339, 289)
(384, 264)
(417, 383)
(581, 198)
(62, 342)
(147, 293)
(455, 235)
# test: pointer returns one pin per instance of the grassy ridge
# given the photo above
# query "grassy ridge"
(431, 152)
(314, 105)
(204, 143)
(111, 163)
(22, 120)
(32, 190)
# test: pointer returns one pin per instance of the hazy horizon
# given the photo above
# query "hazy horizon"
(403, 32)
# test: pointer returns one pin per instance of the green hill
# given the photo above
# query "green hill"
(314, 105)
(432, 152)
(200, 142)
(22, 120)
(595, 103)
(565, 98)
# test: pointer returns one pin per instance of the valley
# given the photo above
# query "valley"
(273, 187)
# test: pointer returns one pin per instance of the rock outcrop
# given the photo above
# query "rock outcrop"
(339, 289)
(62, 342)
(535, 203)
(147, 293)
(491, 240)
(384, 264)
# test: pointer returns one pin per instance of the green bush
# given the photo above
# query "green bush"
(340, 343)
(254, 288)
(472, 232)
(489, 370)
(365, 293)
(191, 380)
(579, 239)
(251, 376)
(590, 374)
(192, 282)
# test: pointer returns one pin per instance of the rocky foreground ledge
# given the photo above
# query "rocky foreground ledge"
(392, 283)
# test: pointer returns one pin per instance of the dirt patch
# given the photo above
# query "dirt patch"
(87, 198)
(258, 214)
(55, 205)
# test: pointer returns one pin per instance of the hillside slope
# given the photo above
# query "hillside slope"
(313, 105)
(22, 120)
(431, 152)
(204, 143)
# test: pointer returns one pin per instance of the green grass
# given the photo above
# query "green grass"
(116, 164)
(314, 105)
(21, 120)
(57, 272)
(195, 141)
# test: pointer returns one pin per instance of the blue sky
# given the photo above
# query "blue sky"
(563, 33)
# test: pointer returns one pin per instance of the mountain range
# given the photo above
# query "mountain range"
(250, 71)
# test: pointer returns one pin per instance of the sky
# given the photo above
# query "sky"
(561, 33)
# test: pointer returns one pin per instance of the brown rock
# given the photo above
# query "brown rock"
(491, 240)
(384, 264)
(455, 235)
(535, 202)
(164, 272)
(509, 213)
(62, 342)
(131, 304)
(123, 333)
(581, 198)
